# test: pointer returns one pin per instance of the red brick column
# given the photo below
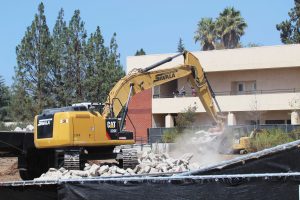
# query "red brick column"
(140, 114)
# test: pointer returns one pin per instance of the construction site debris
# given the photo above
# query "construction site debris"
(28, 128)
(149, 163)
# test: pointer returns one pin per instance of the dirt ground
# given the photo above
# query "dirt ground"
(9, 170)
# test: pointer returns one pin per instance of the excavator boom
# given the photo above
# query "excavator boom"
(147, 78)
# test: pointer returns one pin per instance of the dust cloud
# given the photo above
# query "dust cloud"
(205, 147)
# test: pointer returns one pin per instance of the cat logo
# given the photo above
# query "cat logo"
(111, 124)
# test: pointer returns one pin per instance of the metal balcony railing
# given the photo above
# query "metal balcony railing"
(230, 93)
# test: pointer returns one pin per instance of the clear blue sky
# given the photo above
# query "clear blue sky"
(154, 25)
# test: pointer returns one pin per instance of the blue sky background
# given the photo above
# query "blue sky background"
(154, 25)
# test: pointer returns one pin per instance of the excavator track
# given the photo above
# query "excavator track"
(129, 157)
(72, 160)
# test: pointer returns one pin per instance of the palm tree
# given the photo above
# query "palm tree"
(206, 34)
(230, 26)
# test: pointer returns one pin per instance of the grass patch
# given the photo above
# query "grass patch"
(273, 137)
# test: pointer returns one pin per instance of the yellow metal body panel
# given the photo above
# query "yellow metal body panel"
(244, 144)
(77, 128)
(62, 132)
(84, 128)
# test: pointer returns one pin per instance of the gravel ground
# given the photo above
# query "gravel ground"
(8, 169)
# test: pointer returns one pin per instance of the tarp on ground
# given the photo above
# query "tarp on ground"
(275, 188)
(270, 174)
(268, 186)
(29, 192)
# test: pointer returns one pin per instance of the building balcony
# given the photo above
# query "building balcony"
(266, 100)
(229, 93)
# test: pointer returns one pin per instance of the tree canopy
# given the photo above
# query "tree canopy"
(206, 34)
(4, 101)
(290, 29)
(180, 46)
(223, 32)
(140, 52)
(62, 67)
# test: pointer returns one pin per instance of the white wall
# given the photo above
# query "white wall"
(278, 101)
(266, 57)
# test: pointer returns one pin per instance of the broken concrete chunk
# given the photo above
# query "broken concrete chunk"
(187, 156)
(103, 169)
(29, 127)
(79, 173)
(149, 162)
(18, 129)
(121, 171)
(153, 171)
(130, 171)
(93, 171)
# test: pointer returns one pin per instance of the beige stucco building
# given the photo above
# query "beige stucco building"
(252, 85)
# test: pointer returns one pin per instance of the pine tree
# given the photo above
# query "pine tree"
(76, 44)
(290, 29)
(97, 72)
(59, 72)
(140, 52)
(21, 105)
(115, 67)
(33, 62)
(103, 68)
(4, 101)
(180, 47)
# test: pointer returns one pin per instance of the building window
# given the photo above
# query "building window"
(243, 87)
(156, 91)
(240, 88)
(254, 86)
(275, 121)
(252, 122)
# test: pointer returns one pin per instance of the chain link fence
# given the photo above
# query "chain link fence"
(156, 134)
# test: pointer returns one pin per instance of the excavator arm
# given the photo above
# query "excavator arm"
(144, 79)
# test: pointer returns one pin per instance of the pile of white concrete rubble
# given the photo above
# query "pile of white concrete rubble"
(28, 128)
(149, 163)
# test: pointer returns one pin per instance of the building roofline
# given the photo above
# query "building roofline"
(250, 58)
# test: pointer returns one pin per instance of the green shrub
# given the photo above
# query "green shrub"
(186, 118)
(270, 138)
(169, 136)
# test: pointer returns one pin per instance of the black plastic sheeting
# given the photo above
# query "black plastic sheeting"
(29, 192)
(248, 177)
(280, 162)
(243, 188)
(275, 188)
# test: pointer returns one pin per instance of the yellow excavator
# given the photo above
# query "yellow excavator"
(70, 136)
